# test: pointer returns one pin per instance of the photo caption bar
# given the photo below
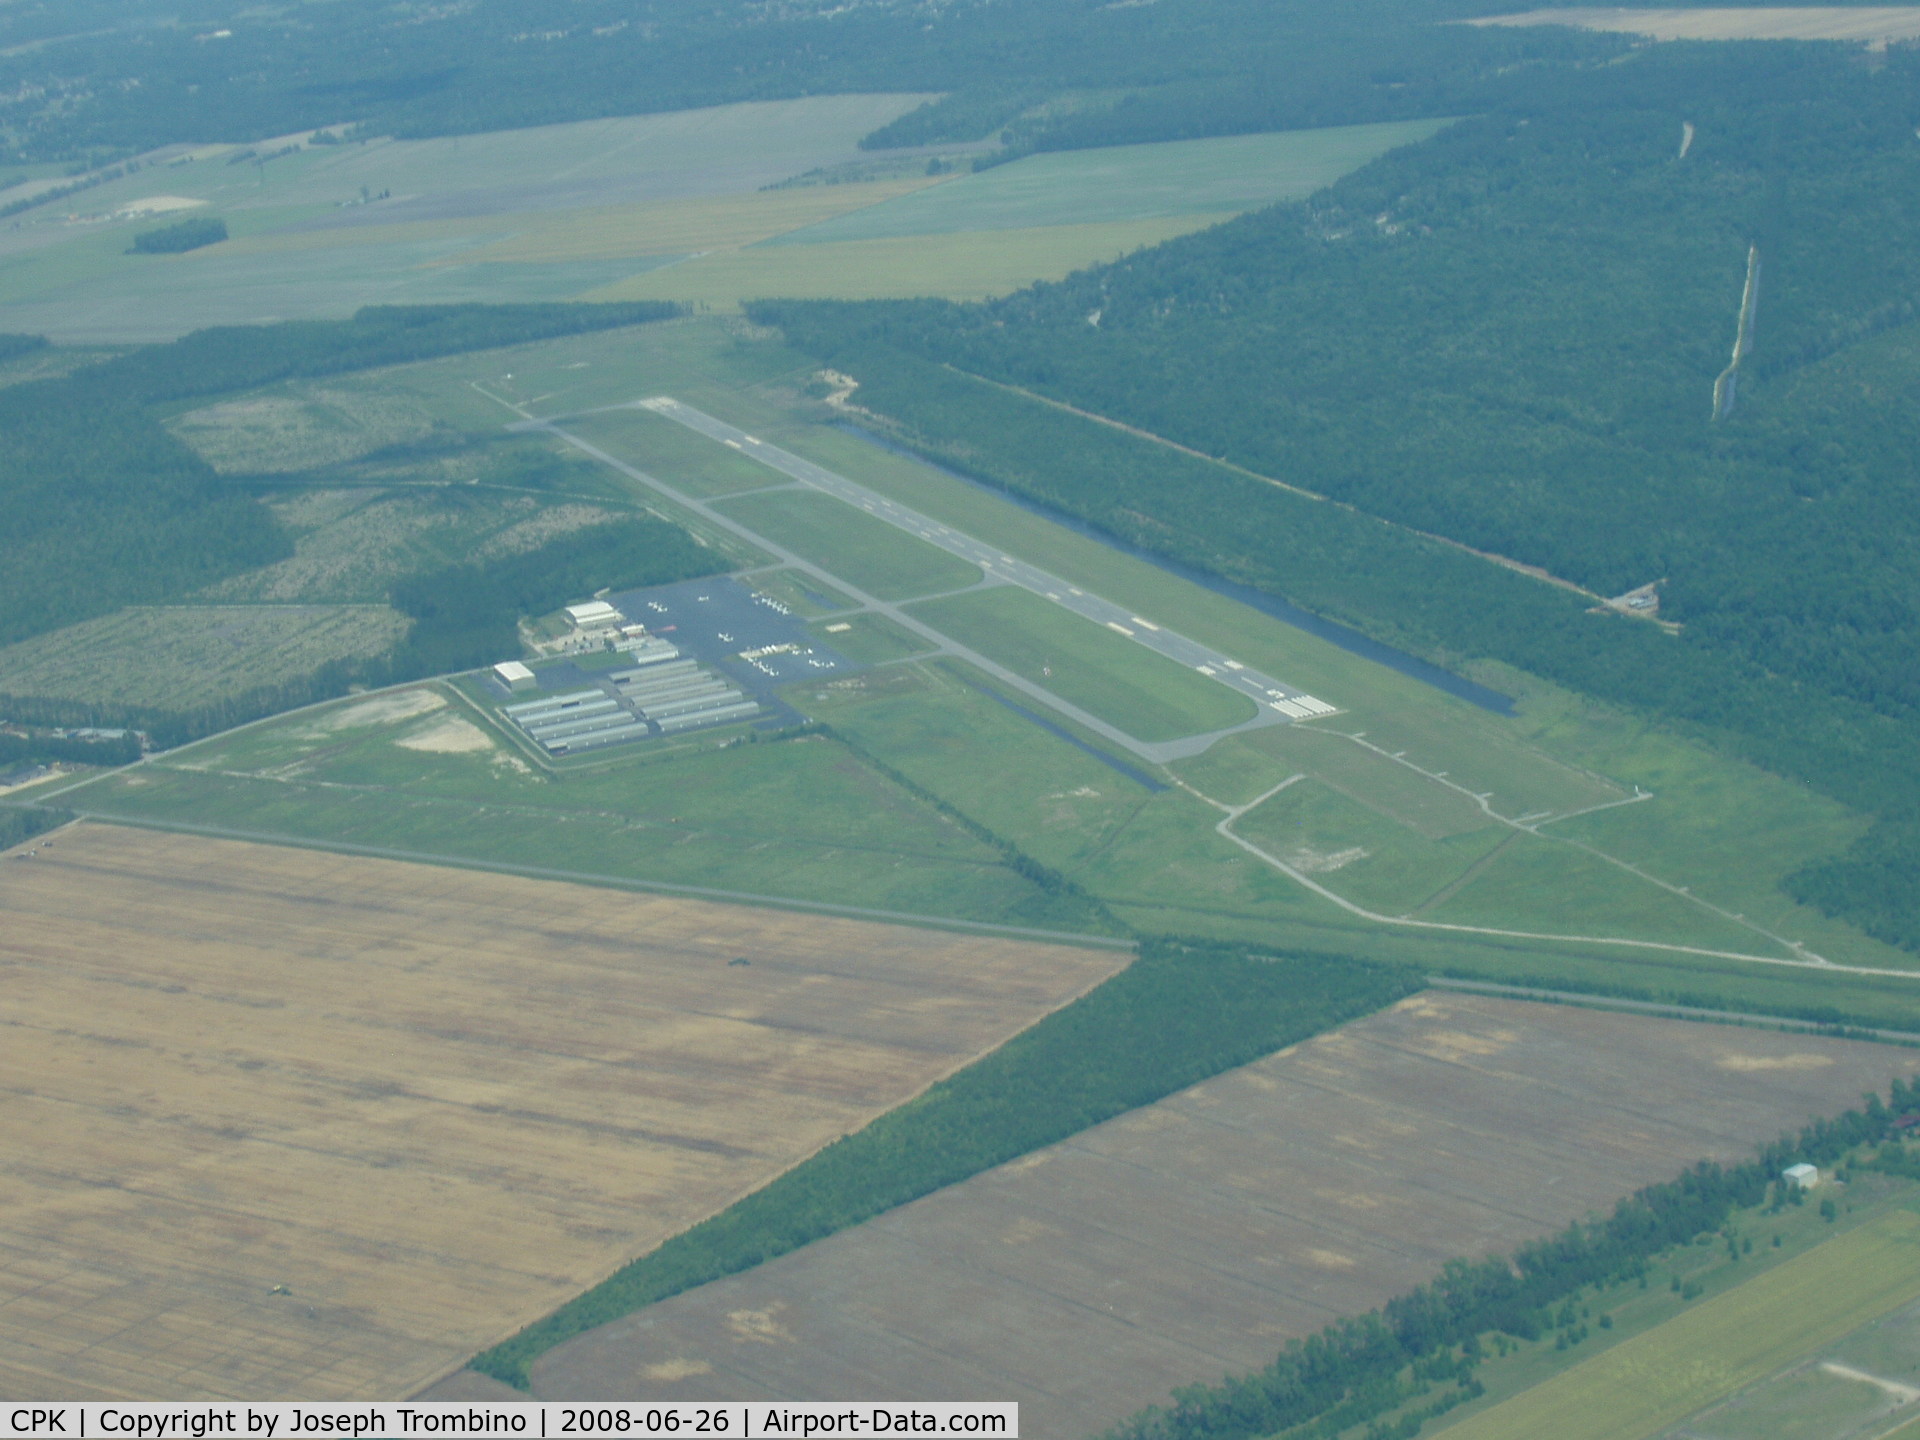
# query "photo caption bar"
(536, 1419)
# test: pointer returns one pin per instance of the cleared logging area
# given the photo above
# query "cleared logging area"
(431, 1104)
(1197, 1235)
(183, 656)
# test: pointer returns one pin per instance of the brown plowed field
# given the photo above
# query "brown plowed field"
(1195, 1236)
(1873, 24)
(431, 1104)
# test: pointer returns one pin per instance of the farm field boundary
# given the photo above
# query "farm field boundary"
(296, 1120)
(614, 882)
(1149, 1253)
(1594, 1000)
(1180, 1012)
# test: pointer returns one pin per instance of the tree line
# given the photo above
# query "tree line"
(1360, 1368)
(1182, 1011)
(1114, 74)
(1508, 337)
(177, 239)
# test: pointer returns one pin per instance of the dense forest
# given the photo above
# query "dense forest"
(70, 750)
(1509, 337)
(1182, 1011)
(468, 615)
(177, 239)
(1429, 1340)
(104, 507)
(122, 81)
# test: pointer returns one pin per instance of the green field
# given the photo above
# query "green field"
(962, 265)
(865, 552)
(688, 462)
(425, 773)
(870, 639)
(470, 217)
(1125, 684)
(1222, 175)
(185, 656)
(1725, 830)
(1369, 858)
(1641, 1386)
(662, 206)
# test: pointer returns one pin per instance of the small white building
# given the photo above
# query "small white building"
(514, 675)
(595, 615)
(1803, 1176)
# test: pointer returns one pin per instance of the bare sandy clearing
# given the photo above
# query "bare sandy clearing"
(1871, 24)
(1196, 1236)
(403, 705)
(430, 1103)
(451, 736)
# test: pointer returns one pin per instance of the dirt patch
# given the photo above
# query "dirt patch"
(451, 736)
(1755, 1064)
(385, 710)
(292, 1124)
(1322, 862)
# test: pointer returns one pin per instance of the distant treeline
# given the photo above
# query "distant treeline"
(12, 347)
(103, 507)
(44, 749)
(1508, 337)
(1875, 885)
(194, 234)
(1182, 1011)
(18, 824)
(1121, 72)
(1360, 1368)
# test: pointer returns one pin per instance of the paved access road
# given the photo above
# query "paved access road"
(1269, 693)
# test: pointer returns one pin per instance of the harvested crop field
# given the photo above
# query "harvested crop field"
(294, 1125)
(1195, 1236)
(1872, 24)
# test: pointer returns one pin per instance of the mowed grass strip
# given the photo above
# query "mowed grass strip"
(1643, 1385)
(685, 460)
(969, 265)
(1224, 174)
(610, 232)
(863, 551)
(1125, 684)
(708, 222)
